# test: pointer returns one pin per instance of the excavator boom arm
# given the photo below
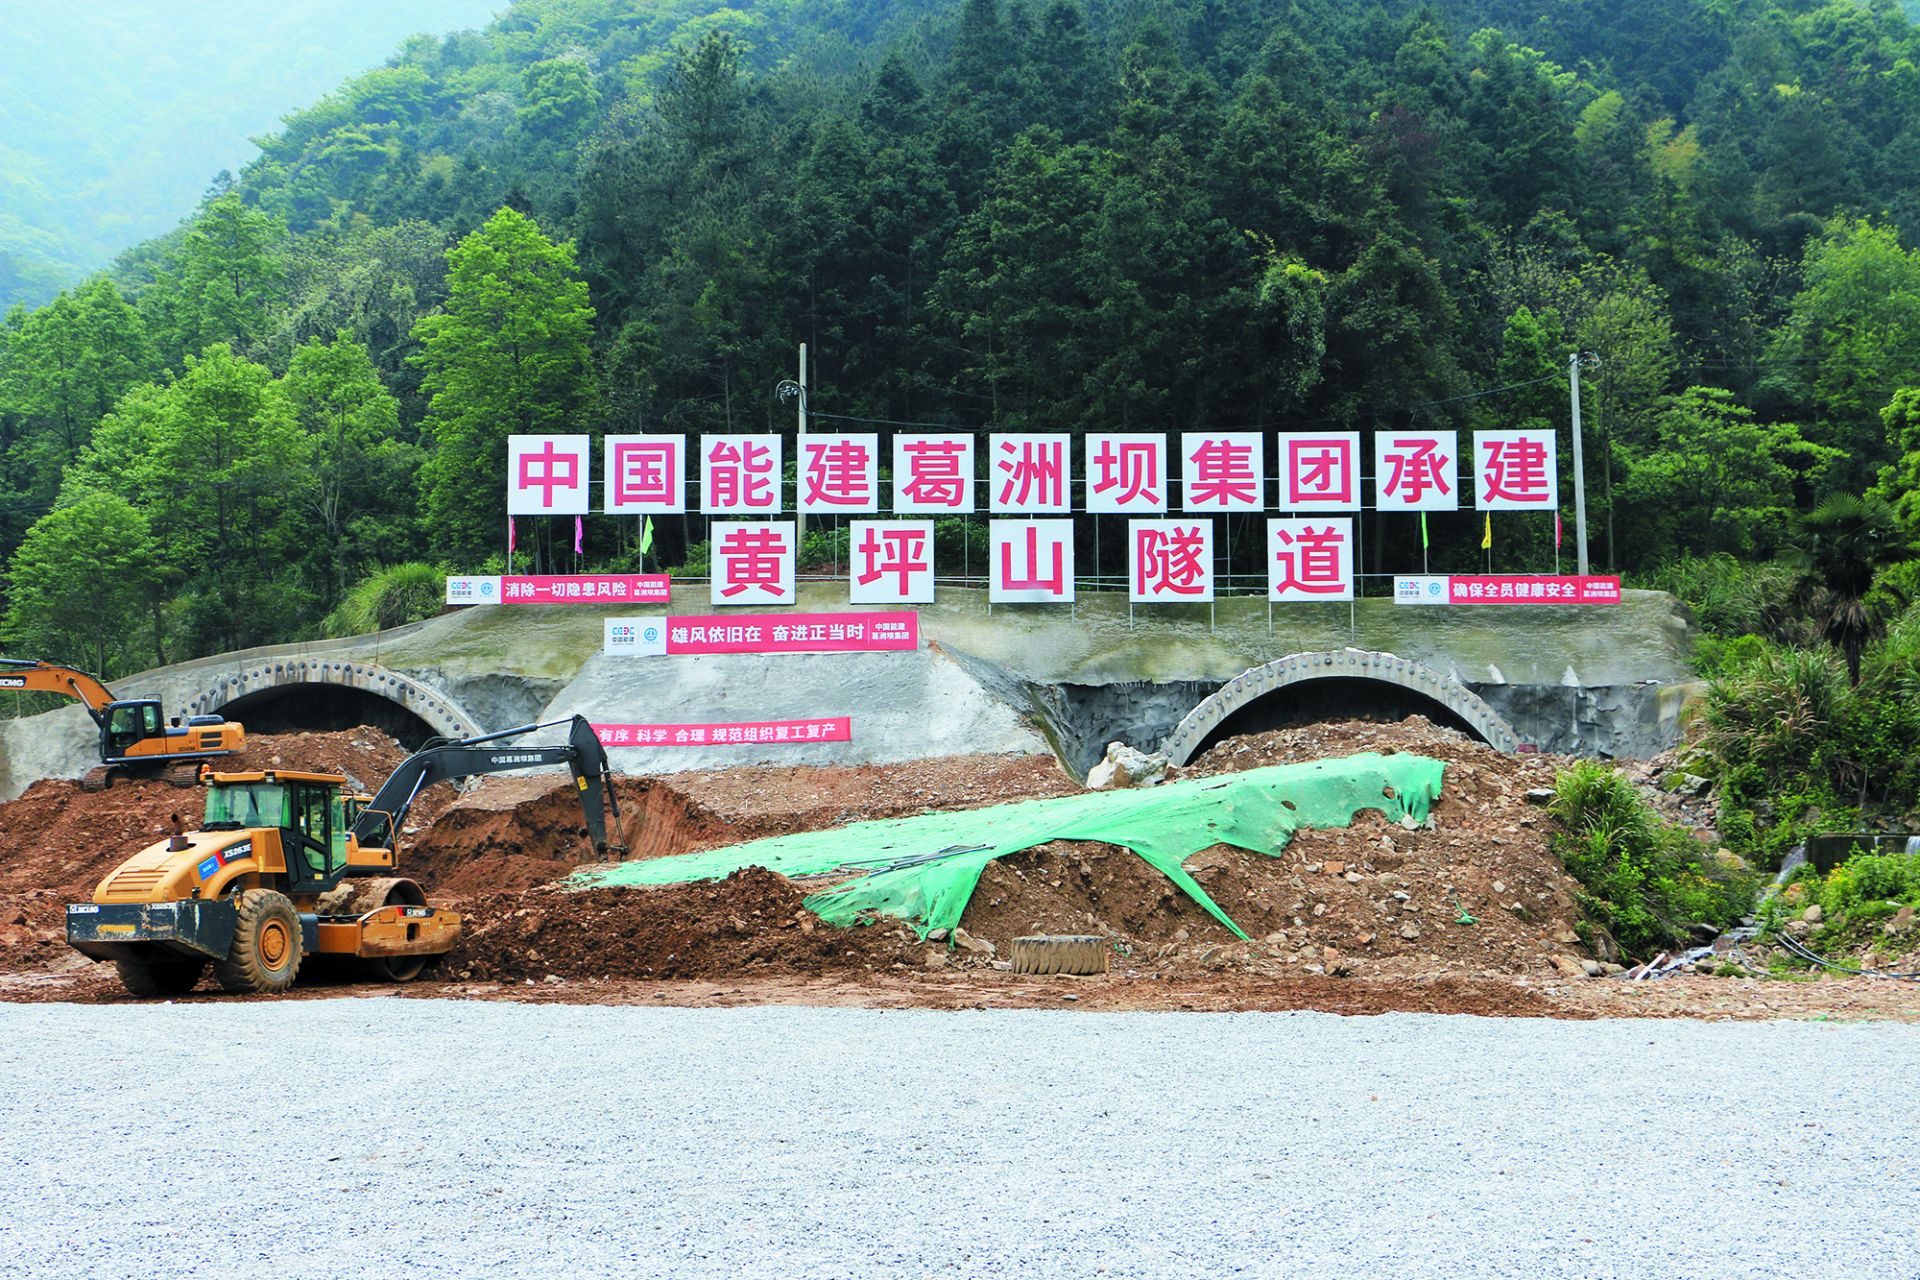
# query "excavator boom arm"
(470, 757)
(44, 677)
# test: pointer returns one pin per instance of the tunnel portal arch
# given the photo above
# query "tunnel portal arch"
(1396, 683)
(320, 692)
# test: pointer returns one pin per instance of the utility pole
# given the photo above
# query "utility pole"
(1579, 466)
(800, 451)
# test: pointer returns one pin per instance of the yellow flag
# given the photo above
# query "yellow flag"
(1486, 539)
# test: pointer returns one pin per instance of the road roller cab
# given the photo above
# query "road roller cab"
(274, 875)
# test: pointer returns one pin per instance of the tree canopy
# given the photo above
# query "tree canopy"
(1046, 214)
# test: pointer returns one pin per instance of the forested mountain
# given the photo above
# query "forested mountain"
(114, 115)
(1054, 213)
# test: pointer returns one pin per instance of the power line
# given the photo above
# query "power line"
(1418, 404)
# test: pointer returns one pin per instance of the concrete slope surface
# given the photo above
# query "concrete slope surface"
(904, 706)
(339, 1138)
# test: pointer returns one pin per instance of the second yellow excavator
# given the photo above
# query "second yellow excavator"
(135, 738)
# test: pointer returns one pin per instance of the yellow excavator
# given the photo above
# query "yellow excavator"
(288, 865)
(135, 738)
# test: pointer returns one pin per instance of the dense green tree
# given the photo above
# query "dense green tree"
(1715, 479)
(509, 353)
(217, 463)
(1851, 339)
(359, 466)
(81, 583)
(225, 283)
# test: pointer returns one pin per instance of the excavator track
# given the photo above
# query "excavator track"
(98, 778)
(182, 775)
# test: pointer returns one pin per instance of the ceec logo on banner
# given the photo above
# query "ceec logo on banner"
(636, 637)
(1420, 590)
(473, 589)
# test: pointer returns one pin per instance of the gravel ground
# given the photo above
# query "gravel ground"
(354, 1137)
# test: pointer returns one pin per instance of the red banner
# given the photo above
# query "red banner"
(746, 733)
(1531, 589)
(793, 632)
(588, 588)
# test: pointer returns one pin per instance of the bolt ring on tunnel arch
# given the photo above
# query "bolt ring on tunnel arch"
(435, 710)
(1359, 665)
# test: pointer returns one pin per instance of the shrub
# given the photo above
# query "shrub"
(389, 597)
(1730, 597)
(1642, 880)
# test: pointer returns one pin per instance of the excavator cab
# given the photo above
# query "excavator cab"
(128, 722)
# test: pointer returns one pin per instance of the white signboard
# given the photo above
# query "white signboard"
(1223, 471)
(1310, 558)
(645, 475)
(547, 475)
(739, 475)
(1032, 562)
(1515, 471)
(892, 561)
(933, 475)
(753, 562)
(1126, 472)
(1170, 561)
(840, 473)
(1416, 470)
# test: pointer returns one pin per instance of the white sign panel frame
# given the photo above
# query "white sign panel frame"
(754, 594)
(1292, 538)
(533, 486)
(616, 454)
(1169, 533)
(886, 587)
(1016, 544)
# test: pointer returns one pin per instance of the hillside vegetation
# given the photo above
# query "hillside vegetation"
(116, 114)
(1054, 214)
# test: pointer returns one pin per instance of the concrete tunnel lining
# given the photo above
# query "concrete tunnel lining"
(1421, 687)
(280, 680)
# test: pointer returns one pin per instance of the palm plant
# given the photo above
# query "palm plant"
(1838, 548)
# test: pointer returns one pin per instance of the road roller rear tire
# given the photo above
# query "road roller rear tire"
(266, 951)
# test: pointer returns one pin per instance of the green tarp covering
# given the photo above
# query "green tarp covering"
(923, 869)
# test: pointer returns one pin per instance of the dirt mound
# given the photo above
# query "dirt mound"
(749, 923)
(1477, 891)
(511, 833)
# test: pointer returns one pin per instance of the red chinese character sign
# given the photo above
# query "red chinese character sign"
(1416, 470)
(1029, 474)
(646, 475)
(1126, 473)
(1310, 559)
(933, 474)
(1032, 562)
(1170, 561)
(753, 563)
(840, 473)
(739, 475)
(892, 561)
(547, 475)
(1224, 472)
(1320, 471)
(1514, 471)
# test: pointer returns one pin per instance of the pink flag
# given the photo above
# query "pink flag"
(579, 534)
(1556, 531)
(509, 535)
